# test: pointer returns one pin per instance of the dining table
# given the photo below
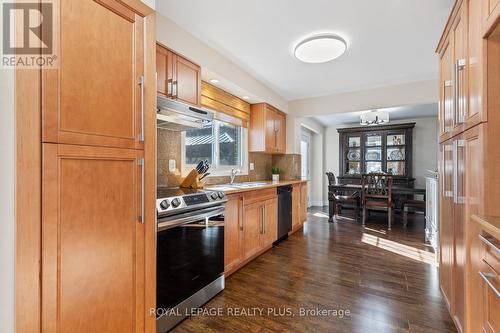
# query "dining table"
(399, 194)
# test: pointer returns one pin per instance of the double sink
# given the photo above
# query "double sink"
(232, 186)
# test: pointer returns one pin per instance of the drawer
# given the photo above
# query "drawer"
(491, 250)
(491, 300)
(259, 195)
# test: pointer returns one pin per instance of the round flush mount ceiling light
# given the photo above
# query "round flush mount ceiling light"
(214, 80)
(320, 48)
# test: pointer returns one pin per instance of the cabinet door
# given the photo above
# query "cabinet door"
(296, 212)
(280, 132)
(252, 228)
(446, 220)
(491, 301)
(446, 103)
(92, 240)
(459, 35)
(474, 185)
(270, 223)
(303, 202)
(459, 262)
(161, 70)
(233, 228)
(187, 83)
(270, 121)
(94, 97)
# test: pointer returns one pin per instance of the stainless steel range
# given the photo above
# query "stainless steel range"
(190, 252)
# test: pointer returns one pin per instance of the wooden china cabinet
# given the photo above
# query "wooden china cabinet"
(376, 149)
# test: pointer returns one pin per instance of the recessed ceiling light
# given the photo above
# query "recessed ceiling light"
(214, 80)
(320, 48)
(245, 97)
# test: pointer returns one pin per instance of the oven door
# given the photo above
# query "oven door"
(190, 254)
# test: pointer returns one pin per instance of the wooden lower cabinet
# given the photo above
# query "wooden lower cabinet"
(304, 202)
(252, 228)
(93, 259)
(296, 212)
(233, 232)
(270, 223)
(491, 300)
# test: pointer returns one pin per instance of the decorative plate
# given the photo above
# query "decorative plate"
(373, 155)
(353, 155)
(396, 155)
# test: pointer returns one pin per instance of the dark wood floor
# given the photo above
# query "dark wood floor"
(387, 280)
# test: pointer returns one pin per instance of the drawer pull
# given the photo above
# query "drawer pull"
(489, 242)
(486, 277)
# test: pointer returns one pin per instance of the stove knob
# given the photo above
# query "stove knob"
(164, 204)
(221, 194)
(176, 202)
(214, 196)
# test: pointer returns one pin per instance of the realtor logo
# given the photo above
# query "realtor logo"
(28, 34)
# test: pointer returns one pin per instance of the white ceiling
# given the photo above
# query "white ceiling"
(390, 41)
(395, 113)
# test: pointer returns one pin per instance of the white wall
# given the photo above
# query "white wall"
(425, 154)
(7, 208)
(317, 131)
(170, 34)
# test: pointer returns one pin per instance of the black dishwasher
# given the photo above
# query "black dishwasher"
(284, 212)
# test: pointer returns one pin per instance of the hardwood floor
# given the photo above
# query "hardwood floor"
(388, 282)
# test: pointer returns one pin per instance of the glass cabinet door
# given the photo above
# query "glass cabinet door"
(353, 158)
(373, 152)
(396, 154)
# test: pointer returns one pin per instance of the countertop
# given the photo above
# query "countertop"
(490, 224)
(269, 184)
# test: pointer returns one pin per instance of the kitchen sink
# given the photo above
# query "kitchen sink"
(230, 186)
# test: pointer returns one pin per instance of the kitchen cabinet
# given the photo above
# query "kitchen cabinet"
(296, 212)
(304, 202)
(177, 77)
(98, 167)
(468, 155)
(233, 232)
(446, 221)
(267, 131)
(270, 223)
(93, 240)
(94, 96)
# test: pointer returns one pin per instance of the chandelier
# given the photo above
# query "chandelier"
(374, 117)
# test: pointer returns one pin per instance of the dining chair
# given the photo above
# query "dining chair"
(376, 192)
(337, 198)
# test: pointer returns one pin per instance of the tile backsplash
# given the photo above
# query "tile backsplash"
(169, 148)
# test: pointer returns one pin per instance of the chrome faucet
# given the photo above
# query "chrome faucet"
(234, 172)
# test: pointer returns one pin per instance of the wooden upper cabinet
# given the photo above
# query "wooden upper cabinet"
(460, 67)
(94, 97)
(178, 78)
(267, 132)
(92, 240)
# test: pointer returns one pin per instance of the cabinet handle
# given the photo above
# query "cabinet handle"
(141, 83)
(446, 83)
(169, 88)
(174, 84)
(486, 277)
(140, 162)
(241, 214)
(459, 65)
(262, 220)
(264, 224)
(489, 242)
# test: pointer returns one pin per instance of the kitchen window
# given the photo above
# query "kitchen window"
(224, 145)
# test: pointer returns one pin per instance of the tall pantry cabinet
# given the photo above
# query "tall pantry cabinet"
(469, 94)
(98, 147)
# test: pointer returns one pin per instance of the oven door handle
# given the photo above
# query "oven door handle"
(190, 219)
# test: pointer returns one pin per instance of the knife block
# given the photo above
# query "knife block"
(192, 180)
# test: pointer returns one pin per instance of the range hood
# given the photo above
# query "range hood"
(177, 116)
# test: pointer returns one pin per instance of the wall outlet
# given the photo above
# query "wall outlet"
(171, 165)
(252, 167)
